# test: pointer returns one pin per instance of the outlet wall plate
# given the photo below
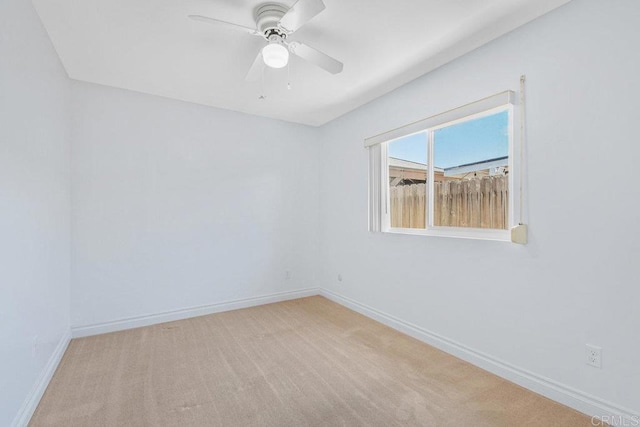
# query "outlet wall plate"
(594, 356)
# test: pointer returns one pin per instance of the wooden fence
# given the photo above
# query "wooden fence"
(478, 203)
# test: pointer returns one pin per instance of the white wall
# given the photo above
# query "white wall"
(34, 203)
(177, 205)
(576, 282)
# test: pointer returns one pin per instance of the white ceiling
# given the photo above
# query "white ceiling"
(151, 46)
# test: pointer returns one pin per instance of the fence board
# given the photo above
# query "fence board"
(477, 202)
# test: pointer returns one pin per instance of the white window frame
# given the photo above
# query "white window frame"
(486, 107)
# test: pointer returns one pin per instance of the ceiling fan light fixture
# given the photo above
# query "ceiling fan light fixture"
(275, 54)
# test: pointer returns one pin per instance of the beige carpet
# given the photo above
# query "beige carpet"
(307, 362)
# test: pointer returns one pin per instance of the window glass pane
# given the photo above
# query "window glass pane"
(470, 173)
(407, 181)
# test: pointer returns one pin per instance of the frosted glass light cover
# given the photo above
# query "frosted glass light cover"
(275, 55)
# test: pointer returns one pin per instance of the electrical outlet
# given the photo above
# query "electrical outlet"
(339, 277)
(287, 275)
(594, 356)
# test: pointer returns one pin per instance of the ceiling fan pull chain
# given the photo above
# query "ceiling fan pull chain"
(262, 96)
(289, 75)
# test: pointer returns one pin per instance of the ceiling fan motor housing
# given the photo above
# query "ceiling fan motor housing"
(267, 17)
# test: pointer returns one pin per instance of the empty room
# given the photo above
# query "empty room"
(319, 213)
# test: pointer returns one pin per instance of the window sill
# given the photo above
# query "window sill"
(456, 233)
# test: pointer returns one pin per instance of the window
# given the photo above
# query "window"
(449, 175)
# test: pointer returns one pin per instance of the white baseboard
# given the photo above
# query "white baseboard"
(561, 393)
(31, 402)
(169, 316)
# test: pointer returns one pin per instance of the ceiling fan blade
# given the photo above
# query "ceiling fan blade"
(224, 24)
(316, 57)
(255, 72)
(301, 12)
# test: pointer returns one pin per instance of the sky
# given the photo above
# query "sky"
(468, 142)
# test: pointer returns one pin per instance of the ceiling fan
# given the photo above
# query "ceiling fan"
(276, 23)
